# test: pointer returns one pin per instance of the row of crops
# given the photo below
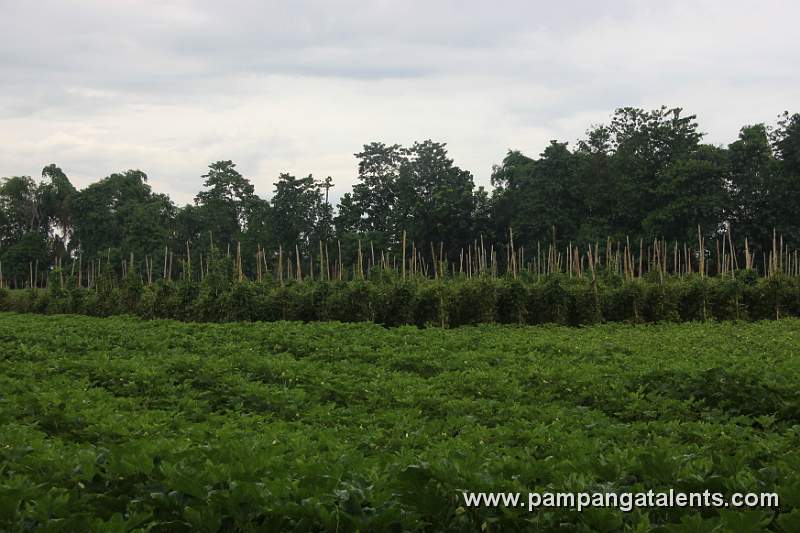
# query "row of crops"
(118, 424)
(389, 300)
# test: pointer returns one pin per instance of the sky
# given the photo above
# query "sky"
(300, 86)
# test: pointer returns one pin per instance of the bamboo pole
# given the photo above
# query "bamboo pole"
(702, 253)
(279, 266)
(433, 259)
(733, 250)
(746, 255)
(360, 268)
(327, 262)
(299, 276)
(321, 262)
(404, 254)
(189, 261)
(442, 259)
(339, 244)
(239, 260)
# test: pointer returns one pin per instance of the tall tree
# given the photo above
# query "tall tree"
(56, 196)
(785, 203)
(533, 196)
(297, 208)
(23, 229)
(595, 186)
(376, 192)
(225, 202)
(786, 143)
(121, 213)
(752, 168)
(435, 198)
(20, 202)
(643, 144)
(691, 193)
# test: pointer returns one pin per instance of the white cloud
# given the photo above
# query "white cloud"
(169, 86)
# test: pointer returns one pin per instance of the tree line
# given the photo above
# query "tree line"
(643, 175)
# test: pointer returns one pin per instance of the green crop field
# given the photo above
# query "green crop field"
(120, 424)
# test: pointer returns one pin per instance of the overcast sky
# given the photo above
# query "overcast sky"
(299, 86)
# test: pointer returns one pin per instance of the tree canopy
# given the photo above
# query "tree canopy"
(644, 174)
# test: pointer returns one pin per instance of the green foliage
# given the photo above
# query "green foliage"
(297, 211)
(131, 289)
(390, 301)
(120, 213)
(644, 175)
(122, 425)
(549, 302)
(512, 299)
(418, 190)
(397, 303)
(22, 256)
(471, 301)
(224, 202)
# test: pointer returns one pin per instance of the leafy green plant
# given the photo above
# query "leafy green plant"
(449, 302)
(120, 424)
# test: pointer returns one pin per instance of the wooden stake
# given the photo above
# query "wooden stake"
(339, 244)
(404, 254)
(299, 276)
(280, 264)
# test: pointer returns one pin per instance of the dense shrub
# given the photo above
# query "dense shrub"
(423, 302)
(512, 298)
(398, 303)
(471, 301)
(548, 302)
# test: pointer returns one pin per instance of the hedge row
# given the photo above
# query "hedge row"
(449, 303)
